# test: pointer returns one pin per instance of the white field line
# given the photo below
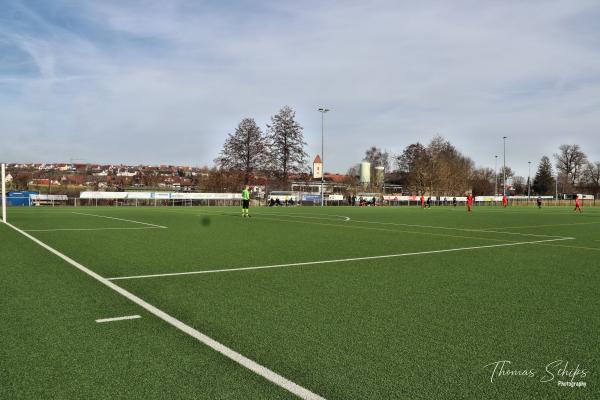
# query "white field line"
(356, 226)
(341, 260)
(456, 229)
(268, 215)
(100, 321)
(545, 225)
(119, 219)
(345, 218)
(89, 229)
(273, 214)
(407, 225)
(253, 366)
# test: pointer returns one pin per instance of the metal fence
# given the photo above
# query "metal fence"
(57, 201)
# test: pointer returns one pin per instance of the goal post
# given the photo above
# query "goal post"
(4, 193)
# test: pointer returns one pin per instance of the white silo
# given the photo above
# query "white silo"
(379, 175)
(365, 172)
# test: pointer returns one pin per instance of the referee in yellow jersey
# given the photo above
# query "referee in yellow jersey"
(245, 202)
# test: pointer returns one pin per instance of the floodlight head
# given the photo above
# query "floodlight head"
(323, 110)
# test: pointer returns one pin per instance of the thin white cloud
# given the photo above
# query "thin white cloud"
(166, 81)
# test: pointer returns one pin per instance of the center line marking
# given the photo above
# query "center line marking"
(118, 318)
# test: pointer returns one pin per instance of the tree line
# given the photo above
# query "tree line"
(278, 152)
(438, 168)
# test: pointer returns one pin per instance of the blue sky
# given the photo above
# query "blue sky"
(165, 81)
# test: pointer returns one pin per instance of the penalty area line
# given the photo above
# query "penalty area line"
(91, 229)
(341, 260)
(253, 366)
(119, 219)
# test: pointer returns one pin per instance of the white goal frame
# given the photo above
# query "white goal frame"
(4, 193)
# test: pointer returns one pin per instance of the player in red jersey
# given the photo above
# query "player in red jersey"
(504, 201)
(423, 200)
(469, 202)
(577, 204)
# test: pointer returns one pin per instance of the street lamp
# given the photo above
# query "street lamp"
(529, 182)
(504, 168)
(322, 110)
(496, 174)
(556, 189)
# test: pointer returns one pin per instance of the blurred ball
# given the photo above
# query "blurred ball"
(205, 221)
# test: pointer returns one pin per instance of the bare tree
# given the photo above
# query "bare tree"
(509, 172)
(378, 157)
(410, 156)
(483, 181)
(245, 150)
(438, 168)
(519, 185)
(449, 170)
(286, 144)
(221, 180)
(591, 177)
(413, 163)
(570, 160)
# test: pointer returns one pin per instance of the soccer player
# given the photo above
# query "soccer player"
(539, 201)
(245, 202)
(577, 204)
(504, 201)
(423, 200)
(469, 202)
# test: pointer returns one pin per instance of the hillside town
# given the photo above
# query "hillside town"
(73, 178)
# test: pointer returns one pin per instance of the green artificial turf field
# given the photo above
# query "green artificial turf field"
(347, 303)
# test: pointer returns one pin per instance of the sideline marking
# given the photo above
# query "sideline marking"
(88, 229)
(253, 366)
(334, 261)
(100, 321)
(119, 219)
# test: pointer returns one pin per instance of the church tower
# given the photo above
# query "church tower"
(317, 168)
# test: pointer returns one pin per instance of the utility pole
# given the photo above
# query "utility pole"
(529, 182)
(556, 184)
(322, 110)
(504, 168)
(496, 175)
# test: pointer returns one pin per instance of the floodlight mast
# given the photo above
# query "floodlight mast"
(4, 193)
(529, 182)
(496, 174)
(504, 168)
(322, 110)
